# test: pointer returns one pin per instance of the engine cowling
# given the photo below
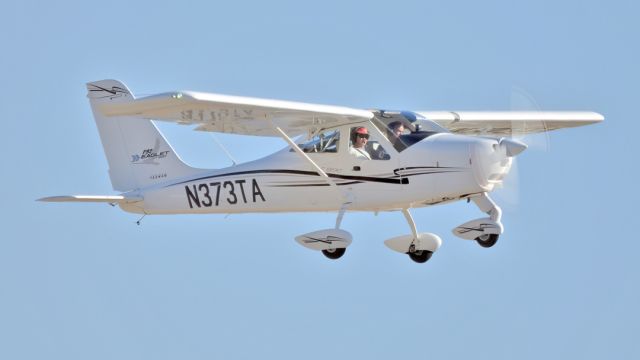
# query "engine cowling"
(492, 160)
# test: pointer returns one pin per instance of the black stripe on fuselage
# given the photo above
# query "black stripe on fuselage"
(393, 180)
(427, 170)
(325, 184)
(397, 179)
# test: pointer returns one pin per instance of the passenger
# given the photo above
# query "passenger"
(397, 129)
(359, 138)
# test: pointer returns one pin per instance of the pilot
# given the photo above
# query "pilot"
(359, 138)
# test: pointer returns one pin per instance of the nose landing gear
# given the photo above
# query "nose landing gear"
(484, 231)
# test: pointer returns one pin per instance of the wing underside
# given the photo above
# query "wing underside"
(261, 117)
(237, 115)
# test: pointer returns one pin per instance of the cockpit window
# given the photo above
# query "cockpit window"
(414, 137)
(405, 128)
(325, 142)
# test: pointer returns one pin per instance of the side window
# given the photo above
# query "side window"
(362, 146)
(325, 142)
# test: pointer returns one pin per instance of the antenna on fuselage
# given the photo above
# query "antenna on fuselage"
(139, 220)
(224, 149)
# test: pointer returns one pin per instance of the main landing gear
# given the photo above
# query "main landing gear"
(332, 242)
(334, 253)
(487, 240)
(419, 256)
(419, 246)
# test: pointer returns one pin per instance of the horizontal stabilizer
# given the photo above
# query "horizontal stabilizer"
(115, 199)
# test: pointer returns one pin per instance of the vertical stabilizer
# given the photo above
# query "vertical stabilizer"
(138, 154)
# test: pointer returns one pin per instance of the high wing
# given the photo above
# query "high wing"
(234, 114)
(254, 116)
(510, 123)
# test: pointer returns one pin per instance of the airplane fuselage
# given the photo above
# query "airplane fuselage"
(440, 168)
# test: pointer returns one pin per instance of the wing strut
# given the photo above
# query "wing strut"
(306, 157)
(233, 161)
(347, 197)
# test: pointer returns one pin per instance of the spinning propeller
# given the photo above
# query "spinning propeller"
(520, 100)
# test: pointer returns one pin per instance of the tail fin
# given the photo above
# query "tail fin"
(137, 153)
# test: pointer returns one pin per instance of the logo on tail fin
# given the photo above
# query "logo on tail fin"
(149, 156)
(98, 92)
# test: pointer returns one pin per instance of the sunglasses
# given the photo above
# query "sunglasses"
(364, 136)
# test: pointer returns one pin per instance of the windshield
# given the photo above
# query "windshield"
(405, 128)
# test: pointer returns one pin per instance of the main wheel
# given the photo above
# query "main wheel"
(487, 240)
(420, 256)
(334, 253)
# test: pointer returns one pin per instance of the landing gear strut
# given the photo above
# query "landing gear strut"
(336, 253)
(418, 255)
(486, 204)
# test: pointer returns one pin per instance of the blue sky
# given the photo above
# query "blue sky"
(83, 281)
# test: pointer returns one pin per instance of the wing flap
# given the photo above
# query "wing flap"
(510, 123)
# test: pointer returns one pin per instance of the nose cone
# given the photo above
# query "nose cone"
(512, 147)
(492, 160)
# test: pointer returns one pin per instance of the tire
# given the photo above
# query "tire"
(420, 256)
(487, 241)
(334, 254)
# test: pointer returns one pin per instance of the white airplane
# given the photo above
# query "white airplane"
(341, 160)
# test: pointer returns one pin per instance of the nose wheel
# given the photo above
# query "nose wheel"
(484, 231)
